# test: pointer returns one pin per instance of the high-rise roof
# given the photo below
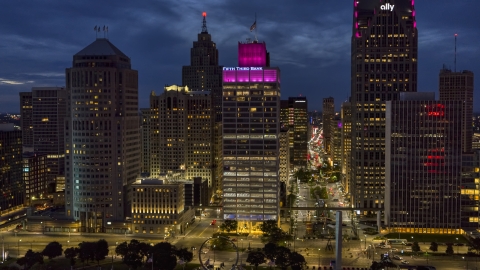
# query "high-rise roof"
(101, 46)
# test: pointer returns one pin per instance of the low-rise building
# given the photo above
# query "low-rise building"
(158, 207)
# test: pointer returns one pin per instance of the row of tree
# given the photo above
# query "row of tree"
(163, 255)
(279, 256)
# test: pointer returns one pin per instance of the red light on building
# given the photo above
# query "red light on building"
(204, 14)
(436, 110)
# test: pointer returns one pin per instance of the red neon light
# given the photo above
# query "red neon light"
(435, 157)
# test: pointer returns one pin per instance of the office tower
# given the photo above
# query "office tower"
(11, 180)
(328, 113)
(145, 128)
(49, 108)
(459, 86)
(384, 64)
(251, 128)
(102, 135)
(423, 162)
(294, 116)
(470, 186)
(181, 127)
(204, 73)
(217, 168)
(158, 207)
(284, 138)
(346, 115)
(336, 140)
(26, 124)
(35, 177)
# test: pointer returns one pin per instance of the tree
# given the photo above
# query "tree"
(71, 254)
(282, 258)
(433, 247)
(415, 247)
(164, 257)
(101, 250)
(143, 249)
(449, 249)
(52, 250)
(297, 261)
(256, 258)
(184, 255)
(270, 250)
(475, 245)
(30, 259)
(268, 227)
(229, 225)
(86, 251)
(122, 249)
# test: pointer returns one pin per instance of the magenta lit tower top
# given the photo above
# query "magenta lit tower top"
(253, 54)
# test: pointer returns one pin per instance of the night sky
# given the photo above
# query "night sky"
(309, 40)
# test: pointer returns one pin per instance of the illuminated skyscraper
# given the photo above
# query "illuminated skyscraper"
(102, 135)
(26, 112)
(346, 115)
(294, 116)
(251, 128)
(459, 86)
(384, 64)
(204, 73)
(423, 164)
(328, 112)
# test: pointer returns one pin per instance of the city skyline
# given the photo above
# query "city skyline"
(311, 43)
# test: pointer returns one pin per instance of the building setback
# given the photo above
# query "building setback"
(423, 164)
(384, 64)
(11, 180)
(102, 135)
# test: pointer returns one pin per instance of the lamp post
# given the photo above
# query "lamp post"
(43, 227)
(365, 241)
(457, 245)
(241, 240)
(318, 258)
(18, 247)
(213, 254)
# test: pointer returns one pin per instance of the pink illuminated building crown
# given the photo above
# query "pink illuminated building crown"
(253, 54)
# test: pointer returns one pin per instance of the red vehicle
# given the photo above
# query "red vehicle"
(213, 222)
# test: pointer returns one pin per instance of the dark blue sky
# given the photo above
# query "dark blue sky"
(308, 40)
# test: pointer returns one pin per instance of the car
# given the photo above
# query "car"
(404, 262)
(396, 257)
(408, 244)
(408, 248)
(394, 250)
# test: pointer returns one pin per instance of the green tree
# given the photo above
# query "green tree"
(122, 249)
(184, 254)
(268, 227)
(143, 249)
(52, 250)
(282, 258)
(270, 250)
(415, 247)
(229, 225)
(449, 249)
(101, 250)
(86, 251)
(30, 259)
(131, 253)
(433, 247)
(297, 261)
(164, 257)
(256, 258)
(475, 245)
(71, 254)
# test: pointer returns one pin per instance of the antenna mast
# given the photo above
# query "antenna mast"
(204, 24)
(455, 61)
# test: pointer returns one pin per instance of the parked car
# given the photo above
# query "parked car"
(404, 262)
(394, 250)
(396, 257)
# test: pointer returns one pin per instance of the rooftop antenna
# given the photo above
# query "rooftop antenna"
(204, 24)
(455, 61)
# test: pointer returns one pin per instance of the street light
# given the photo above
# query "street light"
(18, 247)
(365, 241)
(318, 258)
(457, 245)
(214, 254)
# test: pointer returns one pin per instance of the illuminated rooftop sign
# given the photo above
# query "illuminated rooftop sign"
(250, 74)
(387, 6)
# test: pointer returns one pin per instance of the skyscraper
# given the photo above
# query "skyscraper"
(11, 179)
(294, 116)
(328, 112)
(251, 128)
(384, 64)
(204, 73)
(423, 164)
(346, 115)
(26, 112)
(459, 86)
(102, 135)
(181, 127)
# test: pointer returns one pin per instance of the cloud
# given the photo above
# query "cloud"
(7, 81)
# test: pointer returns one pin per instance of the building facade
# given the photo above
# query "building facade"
(158, 207)
(26, 124)
(102, 135)
(336, 141)
(284, 138)
(35, 177)
(459, 86)
(181, 133)
(251, 129)
(423, 164)
(294, 116)
(11, 178)
(328, 113)
(346, 115)
(384, 64)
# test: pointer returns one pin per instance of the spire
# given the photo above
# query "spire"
(204, 25)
